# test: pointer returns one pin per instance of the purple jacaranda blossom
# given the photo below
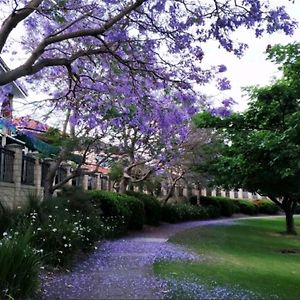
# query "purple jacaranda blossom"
(224, 84)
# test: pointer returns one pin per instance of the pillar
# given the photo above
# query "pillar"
(98, 181)
(37, 174)
(231, 194)
(17, 172)
(240, 193)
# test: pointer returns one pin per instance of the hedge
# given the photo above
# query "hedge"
(152, 207)
(173, 213)
(225, 205)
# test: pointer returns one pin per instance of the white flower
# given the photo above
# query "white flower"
(39, 229)
(56, 207)
(54, 229)
(66, 209)
(64, 237)
(66, 245)
(4, 233)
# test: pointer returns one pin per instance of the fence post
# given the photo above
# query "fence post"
(17, 172)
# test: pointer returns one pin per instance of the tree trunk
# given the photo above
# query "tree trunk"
(123, 185)
(48, 191)
(290, 224)
(170, 194)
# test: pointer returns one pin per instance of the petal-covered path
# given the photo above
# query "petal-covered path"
(122, 269)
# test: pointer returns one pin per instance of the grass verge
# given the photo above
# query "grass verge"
(251, 254)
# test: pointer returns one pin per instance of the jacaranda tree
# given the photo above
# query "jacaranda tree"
(260, 147)
(90, 55)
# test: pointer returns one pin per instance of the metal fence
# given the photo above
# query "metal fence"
(27, 176)
(6, 165)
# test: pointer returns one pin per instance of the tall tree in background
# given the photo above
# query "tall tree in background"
(261, 152)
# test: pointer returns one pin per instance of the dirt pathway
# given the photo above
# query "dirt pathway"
(122, 269)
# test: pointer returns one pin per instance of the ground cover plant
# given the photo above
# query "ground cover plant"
(250, 254)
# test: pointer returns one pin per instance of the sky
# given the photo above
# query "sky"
(252, 68)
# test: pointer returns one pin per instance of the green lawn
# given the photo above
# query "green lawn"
(247, 254)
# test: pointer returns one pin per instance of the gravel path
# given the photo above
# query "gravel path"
(122, 269)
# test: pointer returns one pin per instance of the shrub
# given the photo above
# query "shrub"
(121, 206)
(225, 205)
(246, 206)
(151, 205)
(265, 206)
(19, 267)
(79, 200)
(137, 211)
(115, 213)
(193, 200)
(60, 238)
(213, 211)
(173, 213)
(64, 229)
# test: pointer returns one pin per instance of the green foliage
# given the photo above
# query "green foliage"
(173, 213)
(193, 200)
(116, 171)
(225, 205)
(114, 213)
(259, 148)
(246, 206)
(7, 218)
(126, 212)
(266, 207)
(137, 211)
(213, 211)
(20, 266)
(65, 229)
(152, 207)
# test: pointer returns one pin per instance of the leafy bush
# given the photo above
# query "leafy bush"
(121, 211)
(60, 229)
(265, 206)
(193, 200)
(246, 206)
(152, 207)
(78, 199)
(137, 211)
(19, 267)
(225, 205)
(115, 214)
(213, 211)
(173, 213)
